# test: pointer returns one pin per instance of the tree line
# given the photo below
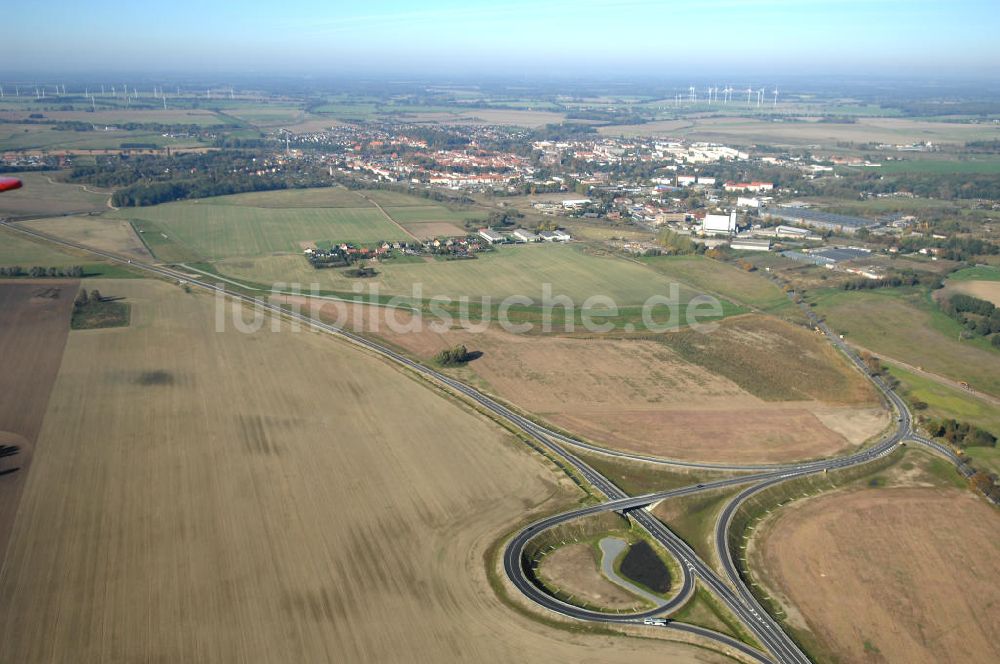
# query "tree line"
(38, 271)
(960, 434)
(980, 317)
(894, 281)
(153, 179)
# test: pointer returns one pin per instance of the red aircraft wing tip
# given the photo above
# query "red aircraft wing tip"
(6, 184)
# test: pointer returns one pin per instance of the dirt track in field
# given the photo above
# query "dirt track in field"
(269, 497)
(34, 323)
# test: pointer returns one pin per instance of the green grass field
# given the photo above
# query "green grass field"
(18, 250)
(976, 274)
(41, 137)
(723, 279)
(429, 213)
(945, 401)
(320, 197)
(393, 199)
(512, 270)
(904, 324)
(213, 232)
(986, 165)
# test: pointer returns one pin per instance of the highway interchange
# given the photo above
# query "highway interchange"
(734, 594)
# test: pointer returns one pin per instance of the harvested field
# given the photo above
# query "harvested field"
(485, 116)
(743, 130)
(217, 496)
(123, 116)
(34, 323)
(774, 360)
(434, 229)
(642, 396)
(890, 575)
(575, 570)
(984, 290)
(105, 233)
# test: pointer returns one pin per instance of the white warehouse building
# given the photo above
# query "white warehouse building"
(719, 224)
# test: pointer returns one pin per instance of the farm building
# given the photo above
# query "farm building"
(555, 236)
(490, 236)
(750, 244)
(524, 235)
(791, 232)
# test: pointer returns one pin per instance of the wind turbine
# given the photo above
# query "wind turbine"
(776, 96)
(1, 92)
(760, 97)
(691, 94)
(749, 92)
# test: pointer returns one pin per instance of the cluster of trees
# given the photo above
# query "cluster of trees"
(960, 434)
(873, 364)
(987, 484)
(980, 317)
(154, 179)
(500, 219)
(893, 281)
(675, 243)
(453, 357)
(83, 298)
(983, 147)
(154, 193)
(964, 248)
(362, 271)
(39, 271)
(564, 131)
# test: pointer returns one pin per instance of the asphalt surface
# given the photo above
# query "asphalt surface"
(740, 601)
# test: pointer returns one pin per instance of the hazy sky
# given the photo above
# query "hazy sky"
(549, 37)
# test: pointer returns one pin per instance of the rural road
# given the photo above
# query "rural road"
(740, 601)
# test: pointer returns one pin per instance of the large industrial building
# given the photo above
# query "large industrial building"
(826, 221)
(719, 224)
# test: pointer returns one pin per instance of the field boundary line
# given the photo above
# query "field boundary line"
(389, 217)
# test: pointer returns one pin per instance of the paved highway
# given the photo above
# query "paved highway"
(740, 601)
